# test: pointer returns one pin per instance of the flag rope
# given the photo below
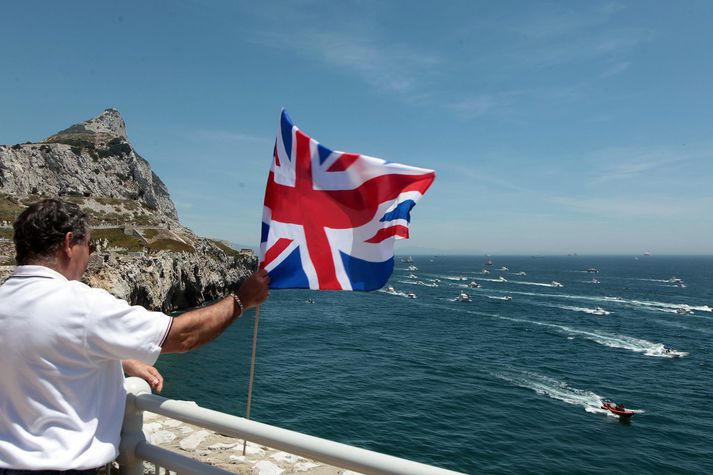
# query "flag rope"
(252, 372)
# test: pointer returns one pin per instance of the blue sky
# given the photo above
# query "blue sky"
(554, 127)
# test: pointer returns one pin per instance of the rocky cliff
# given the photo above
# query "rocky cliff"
(146, 255)
(93, 158)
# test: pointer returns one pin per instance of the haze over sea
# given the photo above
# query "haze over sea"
(490, 385)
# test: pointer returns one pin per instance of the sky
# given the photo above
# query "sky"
(554, 127)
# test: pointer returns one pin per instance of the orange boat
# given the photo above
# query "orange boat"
(618, 409)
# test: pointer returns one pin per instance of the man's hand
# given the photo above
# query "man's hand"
(255, 290)
(146, 372)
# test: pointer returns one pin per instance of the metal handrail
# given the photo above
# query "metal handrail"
(134, 447)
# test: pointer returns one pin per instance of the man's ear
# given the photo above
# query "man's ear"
(67, 244)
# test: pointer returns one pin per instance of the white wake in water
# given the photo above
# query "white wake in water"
(637, 345)
(644, 304)
(591, 311)
(550, 387)
(396, 293)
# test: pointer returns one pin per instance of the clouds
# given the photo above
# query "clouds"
(385, 65)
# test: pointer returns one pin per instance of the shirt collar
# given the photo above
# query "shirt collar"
(37, 271)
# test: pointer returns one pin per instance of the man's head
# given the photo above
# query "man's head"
(48, 232)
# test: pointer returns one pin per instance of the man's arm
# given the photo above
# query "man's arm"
(198, 327)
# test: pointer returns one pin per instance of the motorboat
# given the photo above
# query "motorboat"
(599, 311)
(520, 273)
(503, 268)
(474, 285)
(411, 295)
(412, 268)
(684, 311)
(593, 270)
(463, 297)
(412, 276)
(310, 300)
(617, 409)
(672, 353)
(594, 281)
(489, 262)
(390, 289)
(485, 271)
(556, 284)
(501, 279)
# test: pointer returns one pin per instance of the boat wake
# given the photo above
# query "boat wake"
(552, 388)
(397, 293)
(418, 282)
(637, 345)
(643, 304)
(591, 311)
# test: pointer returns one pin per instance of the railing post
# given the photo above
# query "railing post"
(132, 430)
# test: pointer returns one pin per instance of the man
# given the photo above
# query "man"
(62, 344)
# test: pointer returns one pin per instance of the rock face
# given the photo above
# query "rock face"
(168, 281)
(93, 158)
(146, 256)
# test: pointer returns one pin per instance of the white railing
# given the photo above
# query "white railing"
(134, 448)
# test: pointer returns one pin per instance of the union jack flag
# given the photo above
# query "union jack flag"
(330, 218)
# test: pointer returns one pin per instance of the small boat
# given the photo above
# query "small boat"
(599, 311)
(485, 271)
(593, 270)
(489, 262)
(463, 297)
(310, 300)
(672, 353)
(501, 279)
(520, 273)
(556, 284)
(684, 311)
(474, 285)
(594, 281)
(390, 289)
(618, 409)
(412, 276)
(503, 268)
(411, 295)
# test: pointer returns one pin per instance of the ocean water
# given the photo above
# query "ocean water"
(490, 385)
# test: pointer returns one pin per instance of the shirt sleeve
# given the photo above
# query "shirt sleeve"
(116, 330)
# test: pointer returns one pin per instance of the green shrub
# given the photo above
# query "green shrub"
(227, 249)
(169, 245)
(117, 238)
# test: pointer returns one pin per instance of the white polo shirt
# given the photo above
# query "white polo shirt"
(61, 383)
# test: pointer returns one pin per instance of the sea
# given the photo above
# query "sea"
(511, 381)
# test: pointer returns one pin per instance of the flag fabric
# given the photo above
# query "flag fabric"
(330, 218)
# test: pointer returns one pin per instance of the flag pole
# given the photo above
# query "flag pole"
(252, 372)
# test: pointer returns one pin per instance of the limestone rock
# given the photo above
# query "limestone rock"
(164, 266)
